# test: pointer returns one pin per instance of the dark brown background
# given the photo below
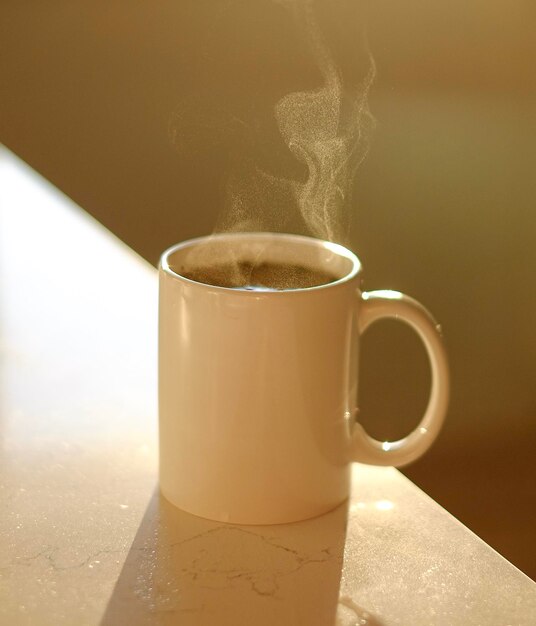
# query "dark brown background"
(444, 207)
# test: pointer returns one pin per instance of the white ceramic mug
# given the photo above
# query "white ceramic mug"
(257, 390)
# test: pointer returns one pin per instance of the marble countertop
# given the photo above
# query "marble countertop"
(85, 537)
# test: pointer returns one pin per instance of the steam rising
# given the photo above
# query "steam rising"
(326, 131)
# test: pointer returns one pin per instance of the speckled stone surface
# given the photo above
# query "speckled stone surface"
(85, 537)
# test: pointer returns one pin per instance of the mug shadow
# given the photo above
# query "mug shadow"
(183, 569)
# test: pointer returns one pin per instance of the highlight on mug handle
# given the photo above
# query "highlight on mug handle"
(376, 305)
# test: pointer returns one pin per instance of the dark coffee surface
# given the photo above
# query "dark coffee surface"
(261, 276)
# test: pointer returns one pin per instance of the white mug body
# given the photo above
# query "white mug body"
(257, 388)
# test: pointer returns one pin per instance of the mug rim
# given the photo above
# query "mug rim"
(336, 248)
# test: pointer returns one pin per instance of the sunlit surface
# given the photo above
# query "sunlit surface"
(386, 293)
(384, 505)
(380, 505)
(77, 403)
(84, 536)
(338, 249)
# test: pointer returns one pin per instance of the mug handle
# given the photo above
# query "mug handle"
(376, 305)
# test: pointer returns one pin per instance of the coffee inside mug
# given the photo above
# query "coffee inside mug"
(262, 263)
(261, 276)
